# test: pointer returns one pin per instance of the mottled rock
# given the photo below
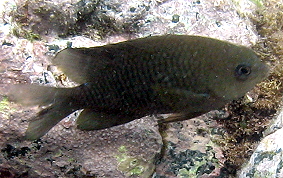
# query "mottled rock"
(44, 17)
(130, 150)
(65, 151)
(189, 150)
(132, 18)
(266, 161)
(276, 124)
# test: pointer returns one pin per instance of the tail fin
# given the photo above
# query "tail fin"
(59, 101)
(29, 95)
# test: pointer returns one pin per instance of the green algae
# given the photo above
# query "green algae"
(133, 165)
(5, 108)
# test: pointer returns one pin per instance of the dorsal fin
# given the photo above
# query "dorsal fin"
(81, 64)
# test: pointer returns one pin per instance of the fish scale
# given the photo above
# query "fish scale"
(180, 74)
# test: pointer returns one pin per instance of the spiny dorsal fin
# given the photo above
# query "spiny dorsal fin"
(82, 64)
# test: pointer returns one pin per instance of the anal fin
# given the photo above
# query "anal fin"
(46, 119)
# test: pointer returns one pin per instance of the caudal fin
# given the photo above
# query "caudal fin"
(59, 103)
(29, 95)
(48, 118)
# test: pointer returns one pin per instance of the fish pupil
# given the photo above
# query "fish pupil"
(242, 71)
(245, 70)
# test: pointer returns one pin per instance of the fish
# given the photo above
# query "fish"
(182, 75)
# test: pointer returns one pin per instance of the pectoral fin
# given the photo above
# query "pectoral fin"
(179, 117)
(187, 103)
(176, 97)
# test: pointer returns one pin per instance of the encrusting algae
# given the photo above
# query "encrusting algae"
(180, 74)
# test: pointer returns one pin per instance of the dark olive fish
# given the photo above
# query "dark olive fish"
(186, 75)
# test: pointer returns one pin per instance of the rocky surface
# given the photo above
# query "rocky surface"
(266, 161)
(31, 32)
(131, 18)
(189, 150)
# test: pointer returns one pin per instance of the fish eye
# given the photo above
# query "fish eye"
(242, 71)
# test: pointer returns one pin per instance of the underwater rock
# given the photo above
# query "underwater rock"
(276, 124)
(189, 150)
(266, 161)
(130, 150)
(36, 19)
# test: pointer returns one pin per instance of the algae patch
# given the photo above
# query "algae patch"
(27, 34)
(189, 163)
(5, 108)
(133, 165)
